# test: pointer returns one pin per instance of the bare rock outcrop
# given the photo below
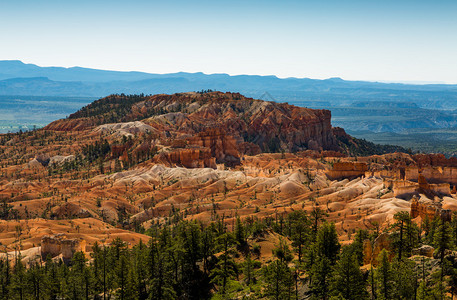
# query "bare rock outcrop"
(407, 189)
(58, 160)
(223, 147)
(424, 250)
(125, 129)
(347, 170)
(71, 124)
(371, 251)
(426, 208)
(43, 159)
(197, 157)
(59, 244)
(434, 159)
(35, 164)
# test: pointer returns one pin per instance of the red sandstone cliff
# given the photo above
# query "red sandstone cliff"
(222, 146)
(188, 157)
(271, 126)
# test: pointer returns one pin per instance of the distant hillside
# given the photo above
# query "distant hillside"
(355, 105)
(17, 78)
(256, 125)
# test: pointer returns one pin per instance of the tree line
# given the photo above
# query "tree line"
(190, 260)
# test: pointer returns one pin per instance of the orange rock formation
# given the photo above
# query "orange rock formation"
(60, 245)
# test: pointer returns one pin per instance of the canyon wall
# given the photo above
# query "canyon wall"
(197, 157)
(347, 170)
(222, 146)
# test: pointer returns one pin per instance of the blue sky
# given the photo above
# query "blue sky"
(356, 40)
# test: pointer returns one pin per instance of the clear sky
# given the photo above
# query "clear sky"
(386, 40)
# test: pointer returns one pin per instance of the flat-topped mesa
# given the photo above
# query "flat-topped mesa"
(204, 117)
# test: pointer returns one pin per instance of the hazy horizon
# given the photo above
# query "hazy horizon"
(407, 41)
(291, 77)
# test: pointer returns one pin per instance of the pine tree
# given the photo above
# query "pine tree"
(5, 277)
(423, 292)
(248, 270)
(383, 275)
(323, 254)
(317, 215)
(226, 266)
(357, 244)
(404, 279)
(347, 278)
(207, 246)
(299, 231)
(442, 239)
(122, 276)
(320, 274)
(240, 232)
(18, 280)
(278, 276)
(279, 280)
(327, 242)
(36, 279)
(401, 219)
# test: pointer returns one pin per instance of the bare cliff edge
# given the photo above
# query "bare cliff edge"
(213, 127)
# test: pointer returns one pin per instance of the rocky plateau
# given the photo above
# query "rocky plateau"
(123, 163)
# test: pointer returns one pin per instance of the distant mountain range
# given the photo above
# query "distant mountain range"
(423, 117)
(17, 78)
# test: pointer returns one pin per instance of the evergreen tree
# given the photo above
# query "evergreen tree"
(299, 231)
(323, 256)
(53, 279)
(36, 280)
(327, 242)
(248, 270)
(442, 239)
(278, 276)
(347, 279)
(404, 279)
(18, 280)
(240, 232)
(226, 266)
(384, 277)
(279, 280)
(5, 277)
(357, 244)
(423, 292)
(207, 246)
(317, 215)
(320, 274)
(404, 235)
